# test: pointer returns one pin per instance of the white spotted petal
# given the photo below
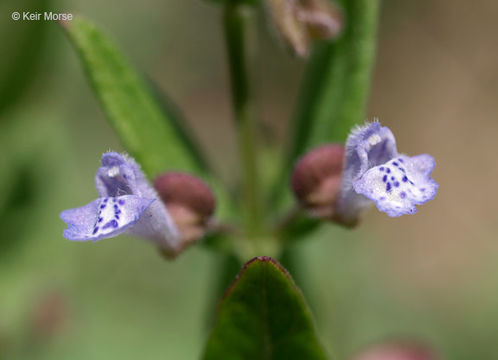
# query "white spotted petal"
(104, 217)
(375, 172)
(400, 184)
(127, 204)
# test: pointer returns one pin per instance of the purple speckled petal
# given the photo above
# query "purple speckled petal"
(104, 217)
(367, 146)
(400, 184)
(375, 172)
(143, 214)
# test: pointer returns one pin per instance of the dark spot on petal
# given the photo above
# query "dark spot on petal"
(396, 184)
(95, 230)
(392, 178)
(384, 178)
(388, 170)
(113, 223)
(422, 189)
(400, 160)
(121, 202)
(100, 219)
(395, 163)
(102, 206)
(388, 186)
(405, 179)
(106, 199)
(402, 195)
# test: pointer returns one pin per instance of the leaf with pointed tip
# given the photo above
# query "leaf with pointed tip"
(263, 315)
(149, 132)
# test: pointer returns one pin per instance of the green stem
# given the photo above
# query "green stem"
(234, 24)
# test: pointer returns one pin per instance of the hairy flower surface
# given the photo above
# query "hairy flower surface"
(127, 204)
(375, 171)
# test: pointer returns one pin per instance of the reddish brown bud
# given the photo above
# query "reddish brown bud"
(188, 190)
(316, 179)
(397, 351)
(189, 201)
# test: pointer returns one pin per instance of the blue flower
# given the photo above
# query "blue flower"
(127, 204)
(374, 171)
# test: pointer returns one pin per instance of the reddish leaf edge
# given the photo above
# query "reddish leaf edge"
(259, 259)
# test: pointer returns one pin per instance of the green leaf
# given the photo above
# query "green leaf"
(263, 316)
(19, 204)
(336, 86)
(148, 131)
(334, 92)
(23, 43)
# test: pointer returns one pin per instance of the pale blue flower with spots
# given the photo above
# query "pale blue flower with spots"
(375, 171)
(126, 204)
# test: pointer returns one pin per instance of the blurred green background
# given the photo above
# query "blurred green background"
(431, 276)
